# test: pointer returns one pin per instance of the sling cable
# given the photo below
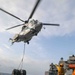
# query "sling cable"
(20, 71)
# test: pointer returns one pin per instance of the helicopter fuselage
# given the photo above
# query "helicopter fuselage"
(29, 30)
(30, 27)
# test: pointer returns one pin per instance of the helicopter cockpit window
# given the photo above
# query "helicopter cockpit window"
(33, 21)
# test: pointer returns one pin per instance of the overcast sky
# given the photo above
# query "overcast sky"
(51, 43)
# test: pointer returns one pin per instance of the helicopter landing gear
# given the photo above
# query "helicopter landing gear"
(27, 42)
(35, 34)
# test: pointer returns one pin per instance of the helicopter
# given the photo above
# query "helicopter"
(30, 27)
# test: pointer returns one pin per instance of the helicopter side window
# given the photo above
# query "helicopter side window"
(23, 28)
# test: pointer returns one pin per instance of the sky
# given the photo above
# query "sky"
(49, 46)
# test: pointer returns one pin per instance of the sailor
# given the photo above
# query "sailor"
(61, 70)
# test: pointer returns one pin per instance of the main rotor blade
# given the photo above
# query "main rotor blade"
(11, 14)
(35, 7)
(14, 26)
(50, 24)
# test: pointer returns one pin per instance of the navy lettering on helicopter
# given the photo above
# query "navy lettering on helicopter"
(30, 27)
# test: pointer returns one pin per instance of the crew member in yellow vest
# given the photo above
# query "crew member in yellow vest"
(60, 69)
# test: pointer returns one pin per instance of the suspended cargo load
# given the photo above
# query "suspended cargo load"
(18, 72)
